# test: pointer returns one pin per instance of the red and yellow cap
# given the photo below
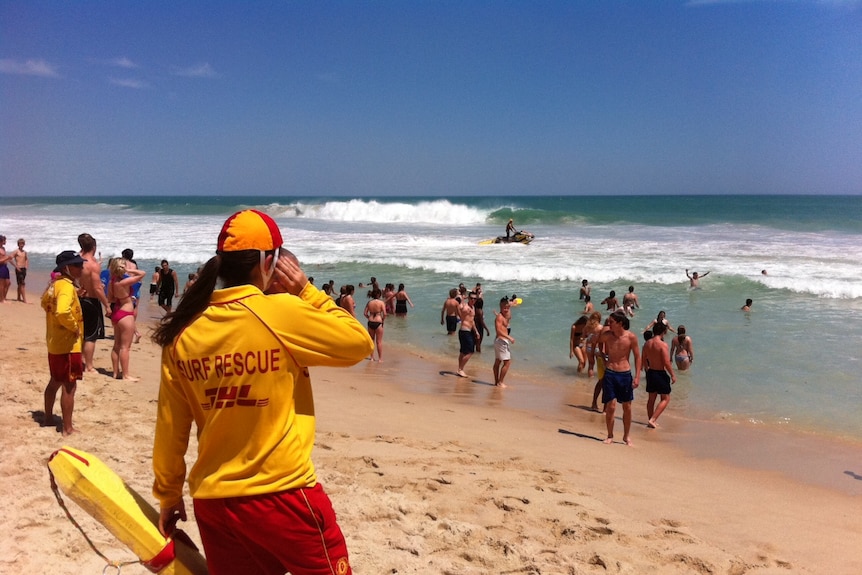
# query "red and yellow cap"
(249, 230)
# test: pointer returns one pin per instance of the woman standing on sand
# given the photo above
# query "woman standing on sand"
(235, 364)
(120, 285)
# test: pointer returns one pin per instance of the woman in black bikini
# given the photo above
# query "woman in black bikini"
(401, 301)
(375, 312)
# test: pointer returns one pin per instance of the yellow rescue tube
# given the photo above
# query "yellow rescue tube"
(99, 491)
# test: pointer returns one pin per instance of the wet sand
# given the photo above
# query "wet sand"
(431, 473)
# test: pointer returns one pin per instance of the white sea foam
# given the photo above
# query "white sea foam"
(436, 212)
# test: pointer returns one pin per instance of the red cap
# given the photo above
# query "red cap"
(249, 230)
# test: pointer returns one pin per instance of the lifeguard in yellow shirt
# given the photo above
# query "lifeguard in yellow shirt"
(235, 363)
(64, 334)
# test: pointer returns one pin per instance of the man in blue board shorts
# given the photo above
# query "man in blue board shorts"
(615, 345)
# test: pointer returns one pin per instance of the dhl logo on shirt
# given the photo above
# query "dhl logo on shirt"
(225, 397)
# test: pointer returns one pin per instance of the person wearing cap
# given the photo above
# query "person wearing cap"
(64, 335)
(235, 364)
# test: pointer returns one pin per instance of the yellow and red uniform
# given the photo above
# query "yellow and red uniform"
(64, 320)
(239, 372)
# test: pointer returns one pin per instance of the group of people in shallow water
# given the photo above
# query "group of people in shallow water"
(381, 304)
(604, 348)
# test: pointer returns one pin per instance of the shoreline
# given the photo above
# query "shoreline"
(454, 479)
(743, 445)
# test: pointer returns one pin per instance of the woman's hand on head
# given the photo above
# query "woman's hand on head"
(288, 276)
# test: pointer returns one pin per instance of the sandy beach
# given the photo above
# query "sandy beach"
(455, 479)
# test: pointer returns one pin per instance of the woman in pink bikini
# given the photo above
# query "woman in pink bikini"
(122, 314)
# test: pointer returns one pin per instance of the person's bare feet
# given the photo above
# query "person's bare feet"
(461, 373)
(70, 431)
(652, 424)
(130, 378)
(628, 441)
(609, 440)
(501, 384)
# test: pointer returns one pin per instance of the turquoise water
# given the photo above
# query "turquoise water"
(792, 362)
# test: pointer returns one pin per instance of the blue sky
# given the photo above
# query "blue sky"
(430, 98)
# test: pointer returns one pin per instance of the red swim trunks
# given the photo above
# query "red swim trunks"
(66, 367)
(270, 534)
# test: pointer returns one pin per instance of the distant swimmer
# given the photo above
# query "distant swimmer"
(694, 279)
(611, 301)
(661, 318)
(747, 306)
(763, 272)
(585, 289)
(630, 302)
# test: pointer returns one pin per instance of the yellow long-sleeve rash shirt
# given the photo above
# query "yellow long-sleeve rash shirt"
(64, 319)
(239, 372)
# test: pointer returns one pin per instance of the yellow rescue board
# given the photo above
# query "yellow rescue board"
(99, 491)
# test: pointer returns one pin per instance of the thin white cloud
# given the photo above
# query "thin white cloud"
(122, 62)
(129, 83)
(200, 71)
(28, 68)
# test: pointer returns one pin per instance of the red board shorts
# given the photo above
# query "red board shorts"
(270, 534)
(66, 367)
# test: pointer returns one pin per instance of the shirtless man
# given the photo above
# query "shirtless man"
(21, 261)
(694, 279)
(467, 334)
(611, 302)
(630, 302)
(510, 228)
(682, 350)
(449, 313)
(94, 302)
(585, 289)
(618, 385)
(659, 373)
(502, 341)
(747, 306)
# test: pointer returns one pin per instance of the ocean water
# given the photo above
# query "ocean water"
(793, 362)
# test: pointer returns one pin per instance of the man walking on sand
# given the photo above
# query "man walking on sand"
(467, 333)
(502, 342)
(92, 300)
(659, 373)
(618, 385)
(64, 324)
